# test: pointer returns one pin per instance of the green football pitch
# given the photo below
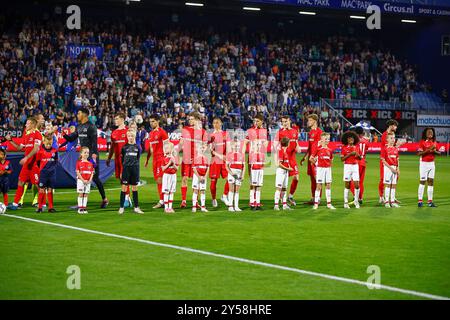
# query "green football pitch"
(298, 254)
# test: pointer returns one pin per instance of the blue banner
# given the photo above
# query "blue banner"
(361, 5)
(74, 50)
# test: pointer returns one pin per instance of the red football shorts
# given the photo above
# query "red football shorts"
(217, 170)
(157, 168)
(187, 170)
(29, 175)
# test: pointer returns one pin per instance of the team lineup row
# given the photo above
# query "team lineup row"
(215, 154)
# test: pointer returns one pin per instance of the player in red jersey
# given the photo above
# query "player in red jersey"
(362, 150)
(191, 134)
(85, 173)
(283, 160)
(389, 157)
(391, 128)
(157, 138)
(350, 156)
(118, 140)
(169, 179)
(218, 140)
(5, 172)
(200, 167)
(235, 161)
(255, 135)
(313, 144)
(427, 152)
(323, 157)
(291, 133)
(31, 142)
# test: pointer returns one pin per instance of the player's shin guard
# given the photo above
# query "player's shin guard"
(313, 185)
(316, 197)
(80, 202)
(19, 193)
(258, 197)
(161, 195)
(236, 199)
(183, 193)
(346, 191)
(84, 201)
(380, 188)
(393, 194)
(213, 188)
(226, 189)
(356, 195)
(430, 190)
(136, 199)
(25, 188)
(328, 195)
(122, 199)
(277, 197)
(284, 197)
(230, 199)
(202, 199)
(170, 200)
(166, 201)
(293, 188)
(194, 199)
(252, 197)
(50, 199)
(41, 199)
(420, 192)
(5, 199)
(387, 194)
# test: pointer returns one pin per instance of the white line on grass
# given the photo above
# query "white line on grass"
(223, 256)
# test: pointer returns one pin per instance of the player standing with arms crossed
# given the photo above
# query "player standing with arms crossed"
(169, 178)
(85, 174)
(256, 134)
(218, 140)
(31, 142)
(131, 155)
(191, 134)
(236, 168)
(389, 158)
(282, 174)
(350, 156)
(292, 134)
(118, 140)
(313, 144)
(427, 152)
(157, 138)
(322, 158)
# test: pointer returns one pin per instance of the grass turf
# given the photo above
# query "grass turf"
(409, 244)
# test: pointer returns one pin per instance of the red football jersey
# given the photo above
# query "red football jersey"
(6, 167)
(349, 149)
(324, 156)
(170, 169)
(201, 163)
(362, 150)
(254, 133)
(390, 155)
(284, 157)
(85, 168)
(29, 140)
(236, 160)
(119, 139)
(156, 139)
(191, 136)
(292, 135)
(424, 145)
(218, 141)
(45, 157)
(257, 160)
(313, 140)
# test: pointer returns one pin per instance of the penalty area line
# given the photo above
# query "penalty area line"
(243, 260)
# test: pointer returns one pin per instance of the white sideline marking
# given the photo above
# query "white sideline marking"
(223, 256)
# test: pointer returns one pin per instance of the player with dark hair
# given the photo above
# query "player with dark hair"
(157, 138)
(46, 160)
(87, 135)
(282, 174)
(392, 126)
(255, 135)
(362, 150)
(218, 140)
(5, 172)
(427, 152)
(313, 143)
(390, 159)
(350, 156)
(292, 134)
